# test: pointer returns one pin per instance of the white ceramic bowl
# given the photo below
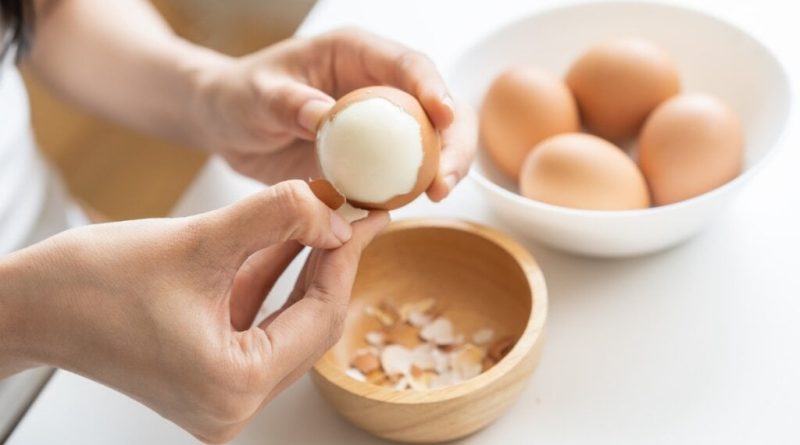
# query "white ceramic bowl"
(713, 56)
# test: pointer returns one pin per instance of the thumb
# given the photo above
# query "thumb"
(299, 108)
(286, 211)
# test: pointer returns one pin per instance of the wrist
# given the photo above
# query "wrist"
(202, 67)
(15, 355)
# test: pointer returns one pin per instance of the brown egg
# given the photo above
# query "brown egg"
(618, 83)
(585, 172)
(378, 148)
(522, 107)
(689, 145)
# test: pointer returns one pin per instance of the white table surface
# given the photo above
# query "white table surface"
(699, 344)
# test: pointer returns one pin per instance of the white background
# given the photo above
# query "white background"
(699, 344)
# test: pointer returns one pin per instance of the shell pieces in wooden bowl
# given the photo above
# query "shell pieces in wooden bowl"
(484, 280)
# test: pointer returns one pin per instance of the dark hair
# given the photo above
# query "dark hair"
(16, 25)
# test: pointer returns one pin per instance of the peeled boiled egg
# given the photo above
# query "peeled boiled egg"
(583, 171)
(619, 82)
(524, 106)
(378, 148)
(689, 145)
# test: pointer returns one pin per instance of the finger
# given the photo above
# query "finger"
(286, 211)
(309, 327)
(386, 62)
(255, 278)
(297, 292)
(294, 106)
(459, 144)
(299, 289)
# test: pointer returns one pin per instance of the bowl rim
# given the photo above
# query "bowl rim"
(739, 180)
(533, 333)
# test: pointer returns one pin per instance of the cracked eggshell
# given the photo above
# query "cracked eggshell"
(378, 148)
(396, 359)
(327, 193)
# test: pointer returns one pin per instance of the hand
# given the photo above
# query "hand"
(262, 110)
(163, 310)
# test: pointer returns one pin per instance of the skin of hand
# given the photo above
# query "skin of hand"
(259, 111)
(164, 310)
(262, 110)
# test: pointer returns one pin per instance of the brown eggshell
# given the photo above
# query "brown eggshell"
(327, 193)
(691, 144)
(524, 106)
(582, 171)
(431, 144)
(619, 82)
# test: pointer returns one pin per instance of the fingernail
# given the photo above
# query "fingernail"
(447, 100)
(311, 113)
(341, 229)
(450, 181)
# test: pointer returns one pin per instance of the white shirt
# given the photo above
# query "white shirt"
(33, 206)
(33, 202)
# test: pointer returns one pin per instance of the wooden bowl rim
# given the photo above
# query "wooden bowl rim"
(327, 369)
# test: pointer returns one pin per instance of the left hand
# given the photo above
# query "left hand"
(261, 111)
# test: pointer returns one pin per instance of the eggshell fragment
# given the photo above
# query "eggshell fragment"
(327, 193)
(351, 214)
(423, 357)
(439, 331)
(523, 106)
(483, 336)
(356, 375)
(691, 144)
(500, 348)
(617, 83)
(403, 334)
(366, 363)
(375, 338)
(396, 359)
(467, 361)
(583, 171)
(378, 148)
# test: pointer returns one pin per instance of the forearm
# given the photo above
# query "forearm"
(120, 60)
(15, 326)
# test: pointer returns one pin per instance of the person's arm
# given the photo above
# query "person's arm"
(119, 59)
(164, 310)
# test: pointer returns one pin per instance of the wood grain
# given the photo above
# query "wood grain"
(483, 278)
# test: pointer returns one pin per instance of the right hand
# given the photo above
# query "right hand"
(163, 310)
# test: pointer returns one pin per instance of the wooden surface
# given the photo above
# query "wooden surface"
(482, 279)
(123, 174)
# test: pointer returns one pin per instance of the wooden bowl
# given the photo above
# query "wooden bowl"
(483, 279)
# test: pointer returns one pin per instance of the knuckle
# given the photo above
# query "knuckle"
(349, 34)
(286, 103)
(299, 203)
(410, 59)
(334, 313)
(195, 236)
(275, 96)
(407, 67)
(298, 198)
